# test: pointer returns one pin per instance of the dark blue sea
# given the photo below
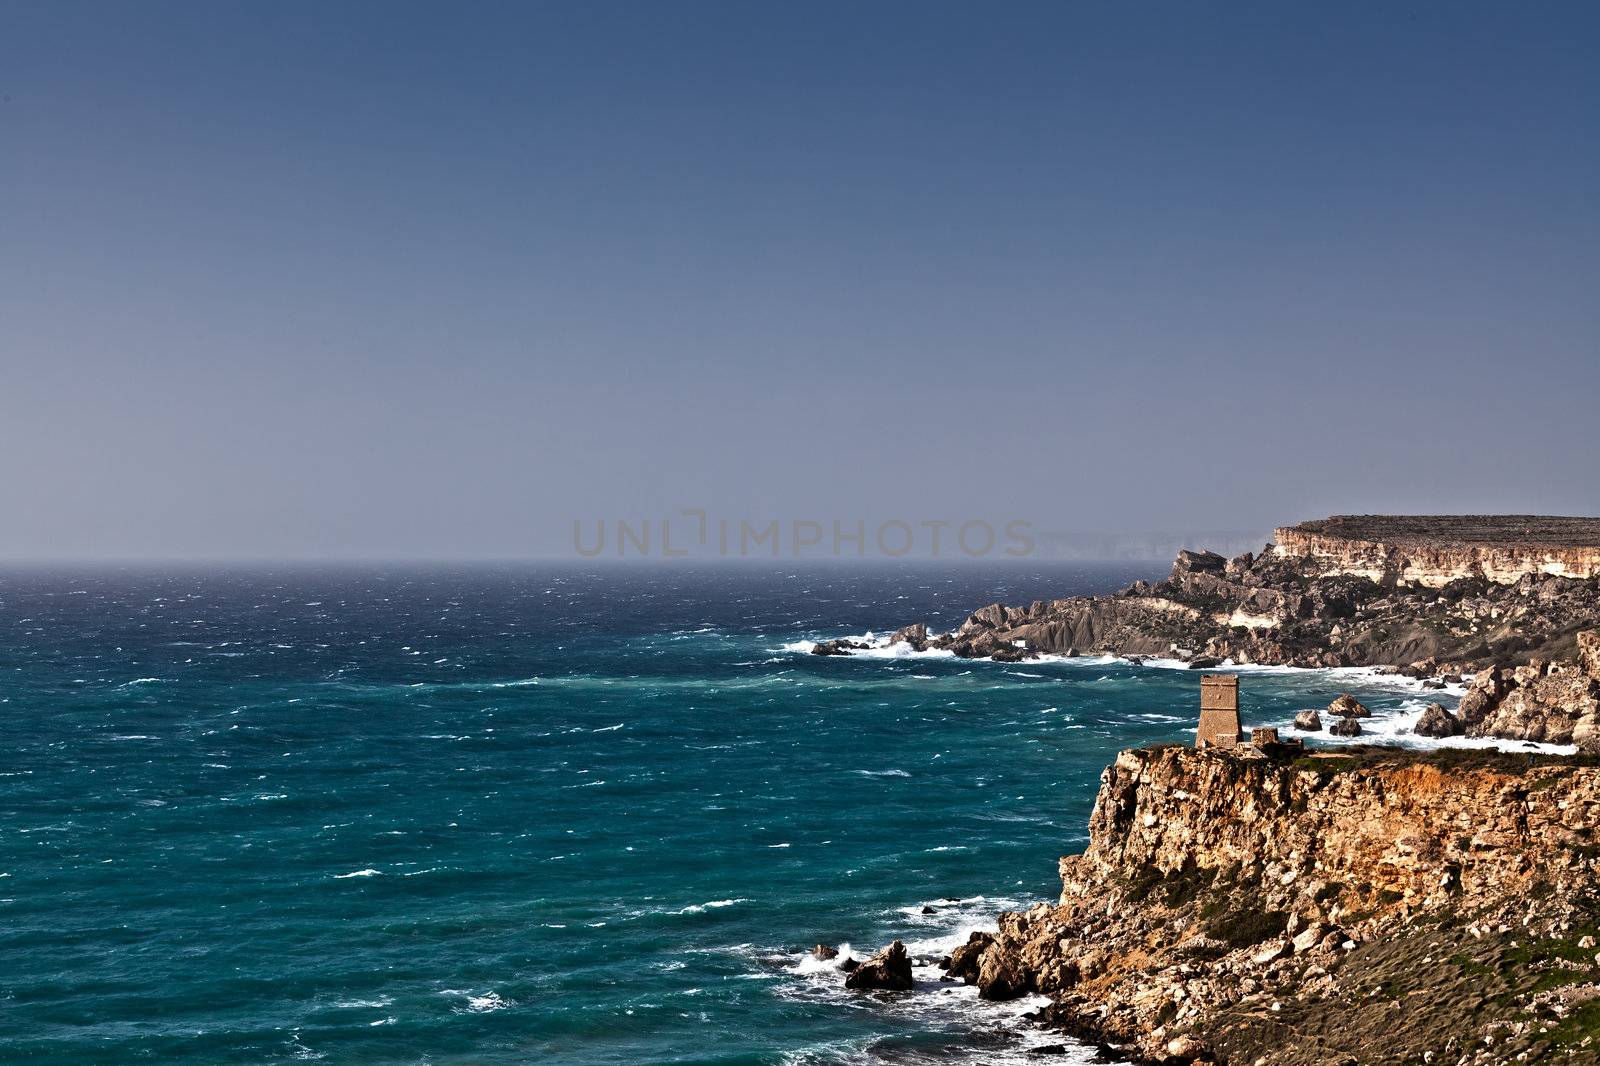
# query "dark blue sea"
(534, 814)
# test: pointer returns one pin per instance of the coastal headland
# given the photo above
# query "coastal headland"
(1347, 906)
(1278, 905)
(1501, 598)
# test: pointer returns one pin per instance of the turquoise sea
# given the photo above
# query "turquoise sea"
(534, 814)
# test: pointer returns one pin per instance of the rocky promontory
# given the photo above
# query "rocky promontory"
(1432, 596)
(1351, 907)
(1310, 605)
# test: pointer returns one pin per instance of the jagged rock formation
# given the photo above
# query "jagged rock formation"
(1435, 721)
(1347, 706)
(1269, 610)
(1557, 701)
(889, 970)
(1362, 907)
(1435, 550)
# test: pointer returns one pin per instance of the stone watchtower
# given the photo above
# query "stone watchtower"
(1219, 712)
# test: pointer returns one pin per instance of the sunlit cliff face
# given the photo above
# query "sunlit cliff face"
(1413, 560)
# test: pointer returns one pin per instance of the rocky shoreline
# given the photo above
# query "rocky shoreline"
(1471, 600)
(1342, 907)
(1285, 906)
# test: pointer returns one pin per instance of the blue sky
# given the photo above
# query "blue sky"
(386, 280)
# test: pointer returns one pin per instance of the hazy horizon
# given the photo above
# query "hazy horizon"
(342, 282)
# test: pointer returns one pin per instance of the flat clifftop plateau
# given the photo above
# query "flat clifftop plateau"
(1437, 549)
(1357, 906)
(1460, 530)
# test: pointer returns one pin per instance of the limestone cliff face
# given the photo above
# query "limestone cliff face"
(1373, 906)
(1411, 833)
(1436, 550)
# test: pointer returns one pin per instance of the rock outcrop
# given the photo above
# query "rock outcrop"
(1555, 701)
(1308, 721)
(842, 646)
(1346, 726)
(1436, 722)
(1347, 706)
(1361, 906)
(889, 970)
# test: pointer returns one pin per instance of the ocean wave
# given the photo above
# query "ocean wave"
(478, 1003)
(369, 872)
(981, 1031)
(715, 904)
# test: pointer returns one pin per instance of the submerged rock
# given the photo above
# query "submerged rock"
(824, 952)
(889, 970)
(1308, 721)
(842, 646)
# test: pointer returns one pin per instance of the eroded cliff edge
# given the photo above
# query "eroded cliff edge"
(1359, 906)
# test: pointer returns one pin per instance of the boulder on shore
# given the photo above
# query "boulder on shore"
(1308, 721)
(1435, 721)
(889, 970)
(1347, 706)
(1346, 727)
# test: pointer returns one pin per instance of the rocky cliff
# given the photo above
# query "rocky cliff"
(1434, 550)
(1365, 906)
(1555, 701)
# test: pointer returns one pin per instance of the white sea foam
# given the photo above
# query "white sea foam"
(489, 1001)
(716, 904)
(1004, 1037)
(359, 873)
(1386, 726)
(364, 1004)
(477, 1003)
